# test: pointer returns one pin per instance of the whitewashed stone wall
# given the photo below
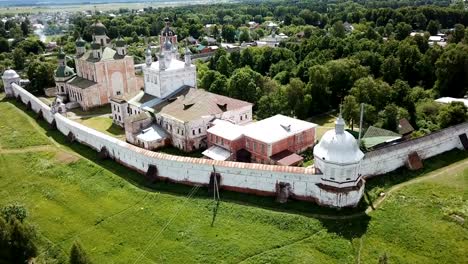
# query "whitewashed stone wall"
(393, 157)
(244, 177)
(36, 104)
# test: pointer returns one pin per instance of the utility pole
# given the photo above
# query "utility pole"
(216, 198)
(360, 124)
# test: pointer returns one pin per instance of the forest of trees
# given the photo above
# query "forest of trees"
(378, 63)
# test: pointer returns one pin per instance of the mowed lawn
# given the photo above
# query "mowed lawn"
(118, 220)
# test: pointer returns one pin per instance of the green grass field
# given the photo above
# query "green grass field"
(119, 218)
(105, 125)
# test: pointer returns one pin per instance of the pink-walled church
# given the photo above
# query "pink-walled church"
(101, 73)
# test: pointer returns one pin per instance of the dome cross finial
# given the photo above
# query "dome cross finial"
(340, 123)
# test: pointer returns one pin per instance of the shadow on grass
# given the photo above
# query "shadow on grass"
(116, 130)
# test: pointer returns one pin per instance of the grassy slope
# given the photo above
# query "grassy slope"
(15, 129)
(106, 207)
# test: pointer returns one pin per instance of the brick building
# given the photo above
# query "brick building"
(275, 140)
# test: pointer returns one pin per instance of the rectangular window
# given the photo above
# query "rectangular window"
(255, 146)
(193, 132)
(222, 141)
(241, 118)
(263, 149)
(199, 131)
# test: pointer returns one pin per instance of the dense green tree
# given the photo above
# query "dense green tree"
(371, 91)
(343, 72)
(338, 29)
(458, 33)
(433, 27)
(452, 114)
(4, 45)
(22, 245)
(228, 33)
(244, 35)
(275, 102)
(19, 58)
(41, 75)
(25, 27)
(243, 84)
(298, 99)
(409, 57)
(452, 72)
(319, 80)
(32, 46)
(219, 85)
(247, 57)
(426, 114)
(390, 69)
(350, 110)
(224, 65)
(78, 255)
(390, 115)
(402, 30)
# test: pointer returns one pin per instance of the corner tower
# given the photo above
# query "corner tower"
(337, 156)
(9, 78)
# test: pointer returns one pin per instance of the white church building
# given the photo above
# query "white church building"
(170, 109)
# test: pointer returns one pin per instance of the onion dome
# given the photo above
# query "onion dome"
(64, 71)
(148, 51)
(61, 54)
(338, 146)
(95, 46)
(99, 28)
(120, 42)
(167, 44)
(80, 42)
(10, 74)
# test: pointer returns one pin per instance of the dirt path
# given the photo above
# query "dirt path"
(28, 149)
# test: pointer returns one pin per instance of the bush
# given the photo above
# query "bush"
(18, 211)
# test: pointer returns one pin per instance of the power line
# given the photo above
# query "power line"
(189, 196)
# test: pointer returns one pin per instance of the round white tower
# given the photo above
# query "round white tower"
(9, 77)
(337, 156)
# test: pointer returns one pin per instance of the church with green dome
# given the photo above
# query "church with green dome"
(103, 70)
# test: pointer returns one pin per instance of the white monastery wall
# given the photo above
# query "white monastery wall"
(252, 178)
(36, 104)
(390, 158)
